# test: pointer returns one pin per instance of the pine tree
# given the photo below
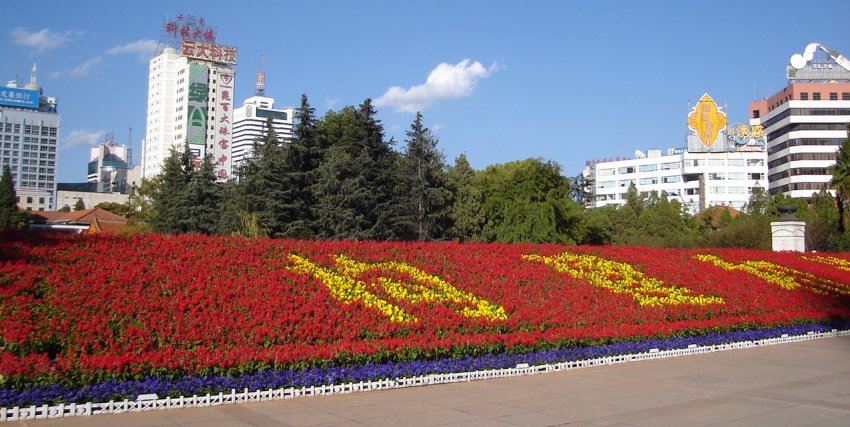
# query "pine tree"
(302, 158)
(424, 170)
(840, 181)
(466, 215)
(202, 200)
(262, 186)
(170, 200)
(8, 203)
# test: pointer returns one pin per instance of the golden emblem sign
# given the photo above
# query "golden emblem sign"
(706, 120)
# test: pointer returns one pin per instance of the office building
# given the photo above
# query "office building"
(806, 122)
(721, 165)
(190, 98)
(29, 134)
(109, 165)
(250, 122)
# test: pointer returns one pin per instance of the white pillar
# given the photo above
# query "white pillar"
(789, 236)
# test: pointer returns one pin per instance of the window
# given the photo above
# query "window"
(627, 169)
(648, 168)
(816, 96)
(606, 184)
(755, 162)
(735, 162)
(803, 96)
(669, 166)
(736, 176)
(605, 172)
(845, 96)
(626, 182)
(649, 181)
(716, 190)
(716, 176)
(736, 190)
(833, 96)
(670, 179)
(756, 176)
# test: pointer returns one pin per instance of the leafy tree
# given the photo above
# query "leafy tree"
(424, 170)
(529, 201)
(140, 203)
(822, 222)
(466, 214)
(65, 208)
(80, 205)
(9, 214)
(840, 181)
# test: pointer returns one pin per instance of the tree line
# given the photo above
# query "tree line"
(340, 177)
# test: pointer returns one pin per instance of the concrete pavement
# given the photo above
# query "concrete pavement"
(798, 384)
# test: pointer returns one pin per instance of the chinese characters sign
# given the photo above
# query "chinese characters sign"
(746, 137)
(15, 97)
(190, 28)
(208, 52)
(223, 126)
(706, 120)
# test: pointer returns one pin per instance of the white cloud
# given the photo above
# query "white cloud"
(84, 138)
(41, 40)
(145, 49)
(446, 81)
(82, 70)
(437, 127)
(330, 103)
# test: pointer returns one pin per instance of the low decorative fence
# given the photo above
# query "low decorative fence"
(152, 402)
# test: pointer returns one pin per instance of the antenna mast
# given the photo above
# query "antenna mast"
(261, 80)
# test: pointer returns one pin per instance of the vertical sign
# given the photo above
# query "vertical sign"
(707, 121)
(196, 112)
(224, 126)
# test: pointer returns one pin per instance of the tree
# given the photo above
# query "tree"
(202, 200)
(169, 202)
(529, 201)
(466, 214)
(80, 205)
(9, 215)
(424, 171)
(122, 209)
(840, 181)
(263, 187)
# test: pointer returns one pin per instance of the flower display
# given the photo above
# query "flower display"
(92, 312)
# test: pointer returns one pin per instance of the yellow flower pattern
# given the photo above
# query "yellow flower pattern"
(784, 277)
(621, 278)
(344, 285)
(841, 264)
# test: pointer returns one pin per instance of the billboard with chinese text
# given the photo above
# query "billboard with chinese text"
(17, 97)
(708, 123)
(208, 52)
(196, 109)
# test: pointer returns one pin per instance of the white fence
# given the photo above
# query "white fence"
(150, 402)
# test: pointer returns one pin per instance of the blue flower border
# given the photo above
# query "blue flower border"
(315, 376)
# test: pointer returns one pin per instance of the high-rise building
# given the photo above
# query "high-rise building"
(806, 122)
(250, 122)
(190, 98)
(109, 165)
(29, 131)
(721, 165)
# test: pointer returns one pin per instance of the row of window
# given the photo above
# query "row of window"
(807, 112)
(833, 96)
(30, 129)
(801, 156)
(803, 141)
(813, 186)
(798, 172)
(804, 126)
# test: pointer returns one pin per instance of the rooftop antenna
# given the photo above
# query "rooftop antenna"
(261, 80)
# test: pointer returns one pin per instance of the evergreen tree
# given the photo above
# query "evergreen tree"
(8, 203)
(466, 214)
(169, 202)
(263, 190)
(302, 158)
(80, 205)
(202, 200)
(424, 170)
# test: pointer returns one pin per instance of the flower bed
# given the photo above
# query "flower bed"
(109, 317)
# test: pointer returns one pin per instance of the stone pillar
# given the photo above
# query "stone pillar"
(789, 234)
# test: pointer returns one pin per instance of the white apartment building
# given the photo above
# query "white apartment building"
(190, 99)
(806, 122)
(251, 120)
(721, 165)
(29, 134)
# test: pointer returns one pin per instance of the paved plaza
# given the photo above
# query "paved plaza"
(798, 384)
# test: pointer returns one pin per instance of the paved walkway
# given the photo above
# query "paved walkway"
(799, 384)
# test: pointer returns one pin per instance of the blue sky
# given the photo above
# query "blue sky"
(566, 81)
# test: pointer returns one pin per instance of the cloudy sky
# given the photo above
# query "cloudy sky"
(567, 81)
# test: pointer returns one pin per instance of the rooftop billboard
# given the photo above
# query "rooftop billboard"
(17, 97)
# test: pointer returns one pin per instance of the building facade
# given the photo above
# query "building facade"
(721, 166)
(29, 134)
(108, 167)
(190, 99)
(806, 122)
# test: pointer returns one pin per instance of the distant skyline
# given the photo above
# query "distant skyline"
(566, 81)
